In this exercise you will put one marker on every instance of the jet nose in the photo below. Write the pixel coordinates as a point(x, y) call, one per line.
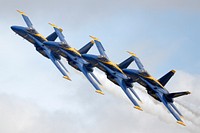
point(15, 28)
point(19, 29)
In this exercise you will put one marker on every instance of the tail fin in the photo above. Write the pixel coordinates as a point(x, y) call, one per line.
point(163, 80)
point(178, 94)
point(86, 48)
point(26, 19)
point(59, 33)
point(99, 46)
point(137, 61)
point(126, 63)
point(52, 37)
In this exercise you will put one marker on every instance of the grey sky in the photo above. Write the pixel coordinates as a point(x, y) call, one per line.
point(35, 98)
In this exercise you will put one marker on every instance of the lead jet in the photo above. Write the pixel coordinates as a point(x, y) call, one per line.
point(30, 34)
point(74, 57)
point(113, 71)
point(155, 88)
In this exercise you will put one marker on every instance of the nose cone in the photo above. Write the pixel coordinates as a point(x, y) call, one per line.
point(15, 28)
point(89, 57)
point(18, 29)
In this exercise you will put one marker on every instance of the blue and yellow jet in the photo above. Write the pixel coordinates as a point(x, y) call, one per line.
point(155, 87)
point(31, 35)
point(74, 57)
point(113, 71)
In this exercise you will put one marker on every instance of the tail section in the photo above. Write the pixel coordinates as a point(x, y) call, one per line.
point(126, 63)
point(178, 94)
point(52, 37)
point(86, 48)
point(59, 33)
point(137, 61)
point(163, 80)
point(99, 47)
point(26, 19)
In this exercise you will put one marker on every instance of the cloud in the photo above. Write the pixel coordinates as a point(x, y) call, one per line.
point(85, 111)
point(189, 109)
point(34, 97)
point(20, 116)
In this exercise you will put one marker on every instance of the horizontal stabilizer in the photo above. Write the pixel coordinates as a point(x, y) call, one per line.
point(52, 37)
point(126, 63)
point(86, 48)
point(163, 80)
point(178, 94)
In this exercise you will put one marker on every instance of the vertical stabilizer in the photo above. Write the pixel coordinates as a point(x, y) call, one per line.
point(163, 80)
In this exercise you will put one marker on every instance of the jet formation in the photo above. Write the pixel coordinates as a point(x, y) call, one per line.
point(119, 74)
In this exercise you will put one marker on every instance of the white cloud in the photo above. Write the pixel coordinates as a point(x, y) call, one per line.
point(34, 97)
point(188, 105)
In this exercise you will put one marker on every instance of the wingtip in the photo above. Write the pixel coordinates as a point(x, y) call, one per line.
point(66, 77)
point(173, 71)
point(94, 38)
point(131, 53)
point(182, 117)
point(181, 123)
point(138, 107)
point(21, 12)
point(100, 92)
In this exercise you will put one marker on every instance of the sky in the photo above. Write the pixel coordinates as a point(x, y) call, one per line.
point(35, 98)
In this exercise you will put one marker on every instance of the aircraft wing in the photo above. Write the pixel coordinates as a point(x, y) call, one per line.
point(167, 105)
point(26, 19)
point(99, 47)
point(95, 78)
point(137, 61)
point(53, 59)
point(50, 55)
point(86, 73)
point(126, 91)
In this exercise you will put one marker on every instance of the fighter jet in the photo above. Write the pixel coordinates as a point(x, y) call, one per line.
point(31, 35)
point(113, 71)
point(156, 88)
point(74, 57)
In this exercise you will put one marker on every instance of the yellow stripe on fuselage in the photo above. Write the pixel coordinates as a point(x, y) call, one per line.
point(41, 36)
point(73, 50)
point(114, 65)
point(155, 80)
